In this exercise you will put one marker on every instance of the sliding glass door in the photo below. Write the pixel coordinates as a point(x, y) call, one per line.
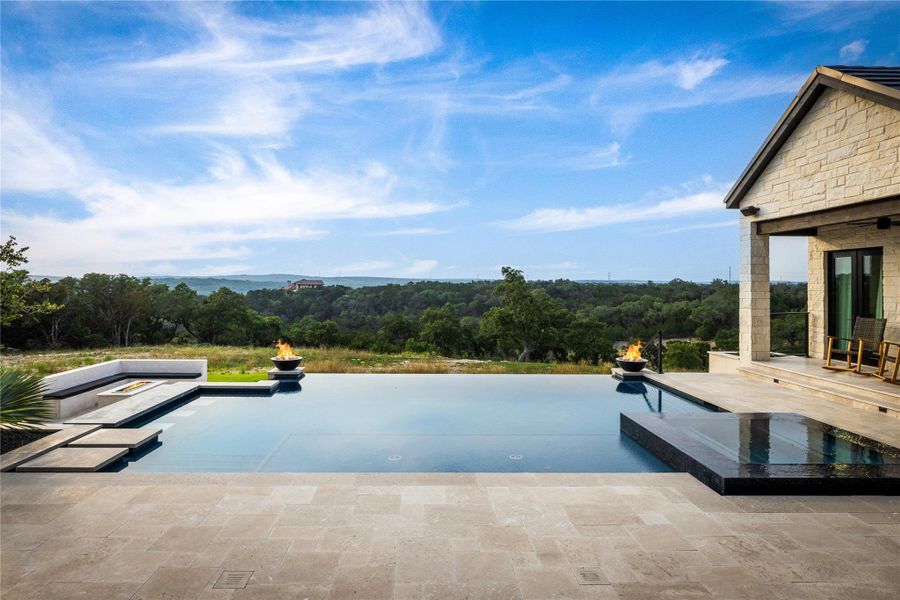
point(854, 288)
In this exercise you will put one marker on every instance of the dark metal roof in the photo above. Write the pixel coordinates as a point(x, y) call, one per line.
point(888, 76)
point(878, 84)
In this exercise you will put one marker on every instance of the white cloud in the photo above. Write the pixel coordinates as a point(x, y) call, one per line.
point(421, 267)
point(716, 225)
point(853, 51)
point(387, 32)
point(604, 157)
point(696, 70)
point(248, 65)
point(629, 92)
point(261, 107)
point(138, 225)
point(688, 202)
point(363, 266)
point(36, 155)
point(411, 231)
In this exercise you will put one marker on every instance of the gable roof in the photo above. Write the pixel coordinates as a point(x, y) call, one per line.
point(878, 84)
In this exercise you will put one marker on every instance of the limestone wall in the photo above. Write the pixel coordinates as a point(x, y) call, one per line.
point(845, 150)
point(850, 237)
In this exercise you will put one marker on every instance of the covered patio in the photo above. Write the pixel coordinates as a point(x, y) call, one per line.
point(828, 171)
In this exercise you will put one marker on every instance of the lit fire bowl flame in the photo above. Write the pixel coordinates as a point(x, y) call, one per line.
point(285, 359)
point(631, 359)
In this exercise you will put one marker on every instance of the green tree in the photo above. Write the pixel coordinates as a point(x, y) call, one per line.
point(396, 329)
point(716, 311)
point(685, 356)
point(441, 329)
point(19, 294)
point(309, 331)
point(727, 340)
point(586, 340)
point(224, 318)
point(527, 317)
point(117, 302)
point(182, 306)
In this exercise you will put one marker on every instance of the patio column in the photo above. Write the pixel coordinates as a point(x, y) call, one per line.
point(755, 304)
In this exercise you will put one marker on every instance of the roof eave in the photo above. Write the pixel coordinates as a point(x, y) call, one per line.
point(820, 78)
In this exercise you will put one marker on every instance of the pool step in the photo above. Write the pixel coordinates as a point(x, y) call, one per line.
point(117, 438)
point(71, 460)
point(14, 458)
point(846, 393)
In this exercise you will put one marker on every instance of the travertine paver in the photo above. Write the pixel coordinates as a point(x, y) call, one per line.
point(412, 536)
point(14, 458)
point(73, 459)
point(116, 438)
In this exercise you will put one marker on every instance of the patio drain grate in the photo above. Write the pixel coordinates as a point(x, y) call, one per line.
point(233, 580)
point(590, 576)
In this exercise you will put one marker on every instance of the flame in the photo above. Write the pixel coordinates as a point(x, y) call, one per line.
point(633, 352)
point(284, 350)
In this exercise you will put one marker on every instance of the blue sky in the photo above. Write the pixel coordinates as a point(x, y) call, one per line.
point(443, 140)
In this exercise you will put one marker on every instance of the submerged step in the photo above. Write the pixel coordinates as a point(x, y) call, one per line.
point(117, 438)
point(68, 459)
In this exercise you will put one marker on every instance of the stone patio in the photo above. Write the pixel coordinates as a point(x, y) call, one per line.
point(453, 536)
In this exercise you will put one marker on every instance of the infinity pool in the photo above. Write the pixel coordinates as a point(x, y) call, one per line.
point(414, 423)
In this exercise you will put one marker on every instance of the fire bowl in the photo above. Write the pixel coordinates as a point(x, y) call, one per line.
point(632, 366)
point(287, 364)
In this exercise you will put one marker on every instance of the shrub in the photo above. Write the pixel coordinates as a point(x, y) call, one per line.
point(727, 340)
point(22, 404)
point(685, 356)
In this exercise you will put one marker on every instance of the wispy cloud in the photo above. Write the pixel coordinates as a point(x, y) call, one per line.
point(133, 224)
point(694, 71)
point(363, 266)
point(630, 92)
point(384, 33)
point(411, 231)
point(604, 157)
point(259, 107)
point(853, 51)
point(686, 202)
point(421, 267)
point(700, 226)
point(36, 155)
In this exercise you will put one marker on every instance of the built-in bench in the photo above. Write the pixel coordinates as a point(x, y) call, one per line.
point(74, 392)
point(98, 383)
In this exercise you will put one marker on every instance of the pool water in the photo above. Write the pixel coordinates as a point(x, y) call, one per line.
point(415, 423)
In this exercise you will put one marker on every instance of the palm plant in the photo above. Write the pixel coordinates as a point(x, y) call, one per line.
point(22, 404)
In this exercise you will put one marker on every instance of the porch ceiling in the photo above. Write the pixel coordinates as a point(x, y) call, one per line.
point(806, 224)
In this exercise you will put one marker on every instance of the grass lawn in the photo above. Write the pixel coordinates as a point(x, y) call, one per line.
point(232, 363)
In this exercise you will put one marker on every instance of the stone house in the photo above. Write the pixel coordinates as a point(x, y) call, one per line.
point(829, 171)
point(302, 284)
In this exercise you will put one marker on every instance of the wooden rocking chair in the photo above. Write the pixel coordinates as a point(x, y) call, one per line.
point(864, 342)
point(884, 371)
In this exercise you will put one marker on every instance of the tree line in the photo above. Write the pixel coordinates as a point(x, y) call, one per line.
point(511, 318)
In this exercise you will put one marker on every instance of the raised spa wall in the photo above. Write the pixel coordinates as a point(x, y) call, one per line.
point(75, 404)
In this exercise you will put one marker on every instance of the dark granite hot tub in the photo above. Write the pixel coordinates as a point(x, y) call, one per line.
point(767, 453)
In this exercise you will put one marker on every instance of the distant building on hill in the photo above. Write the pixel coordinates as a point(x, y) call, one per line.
point(301, 284)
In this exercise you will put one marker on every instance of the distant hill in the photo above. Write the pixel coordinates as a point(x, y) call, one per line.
point(246, 283)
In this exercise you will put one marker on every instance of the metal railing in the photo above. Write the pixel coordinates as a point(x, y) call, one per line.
point(789, 333)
